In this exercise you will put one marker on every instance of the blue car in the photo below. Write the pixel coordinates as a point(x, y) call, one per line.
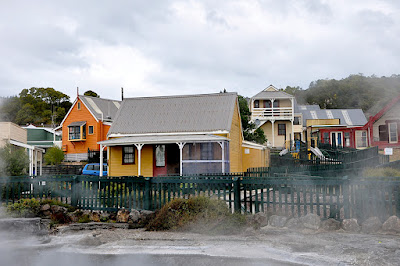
point(94, 169)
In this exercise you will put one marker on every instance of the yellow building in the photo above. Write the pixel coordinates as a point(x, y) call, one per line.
point(187, 134)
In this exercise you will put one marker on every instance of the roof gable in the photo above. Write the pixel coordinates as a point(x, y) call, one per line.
point(271, 92)
point(172, 114)
point(385, 109)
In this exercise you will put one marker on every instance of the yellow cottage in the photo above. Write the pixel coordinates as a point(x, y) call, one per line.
point(175, 135)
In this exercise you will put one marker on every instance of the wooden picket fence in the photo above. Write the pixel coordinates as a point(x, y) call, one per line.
point(292, 195)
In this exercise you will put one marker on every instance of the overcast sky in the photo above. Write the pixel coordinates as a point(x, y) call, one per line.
point(186, 47)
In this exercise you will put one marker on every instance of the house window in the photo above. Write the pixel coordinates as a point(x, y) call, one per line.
point(75, 132)
point(347, 139)
point(256, 103)
point(160, 155)
point(296, 120)
point(128, 155)
point(79, 106)
point(361, 139)
point(392, 132)
point(326, 137)
point(383, 133)
point(91, 130)
point(282, 129)
point(267, 104)
point(276, 103)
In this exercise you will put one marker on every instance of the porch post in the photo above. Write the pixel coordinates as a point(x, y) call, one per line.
point(36, 169)
point(30, 152)
point(292, 138)
point(101, 159)
point(223, 156)
point(180, 145)
point(41, 162)
point(139, 148)
point(272, 107)
point(273, 132)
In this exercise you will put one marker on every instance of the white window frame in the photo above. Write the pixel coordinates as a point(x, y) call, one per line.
point(359, 138)
point(336, 138)
point(390, 126)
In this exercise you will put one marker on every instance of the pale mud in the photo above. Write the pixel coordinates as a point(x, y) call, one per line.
point(262, 247)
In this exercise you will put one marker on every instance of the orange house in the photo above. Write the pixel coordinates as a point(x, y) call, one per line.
point(86, 123)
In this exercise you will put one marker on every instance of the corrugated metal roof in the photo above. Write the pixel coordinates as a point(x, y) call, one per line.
point(303, 107)
point(77, 123)
point(162, 139)
point(99, 106)
point(184, 113)
point(347, 117)
point(272, 94)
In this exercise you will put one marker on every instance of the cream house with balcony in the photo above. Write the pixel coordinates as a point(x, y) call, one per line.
point(274, 111)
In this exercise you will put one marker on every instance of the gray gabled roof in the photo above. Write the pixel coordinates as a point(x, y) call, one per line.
point(305, 107)
point(101, 108)
point(169, 114)
point(272, 94)
point(347, 117)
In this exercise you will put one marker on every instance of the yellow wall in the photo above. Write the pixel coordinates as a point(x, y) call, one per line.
point(235, 144)
point(312, 122)
point(116, 168)
point(255, 158)
point(279, 139)
point(11, 131)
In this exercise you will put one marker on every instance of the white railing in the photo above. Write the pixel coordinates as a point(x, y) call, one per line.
point(273, 112)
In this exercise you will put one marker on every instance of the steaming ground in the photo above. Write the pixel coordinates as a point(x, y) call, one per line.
point(138, 247)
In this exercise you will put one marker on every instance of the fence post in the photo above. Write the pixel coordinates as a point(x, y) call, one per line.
point(74, 191)
point(346, 197)
point(236, 194)
point(147, 193)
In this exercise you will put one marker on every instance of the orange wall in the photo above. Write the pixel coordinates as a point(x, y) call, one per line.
point(254, 158)
point(235, 144)
point(100, 130)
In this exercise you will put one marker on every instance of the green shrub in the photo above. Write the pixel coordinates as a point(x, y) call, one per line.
point(84, 219)
point(13, 160)
point(198, 214)
point(54, 156)
point(24, 208)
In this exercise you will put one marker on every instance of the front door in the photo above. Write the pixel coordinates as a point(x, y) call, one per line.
point(160, 160)
point(337, 139)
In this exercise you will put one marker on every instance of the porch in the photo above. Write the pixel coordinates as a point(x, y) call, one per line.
point(161, 155)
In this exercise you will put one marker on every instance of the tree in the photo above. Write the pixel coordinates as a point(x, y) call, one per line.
point(292, 90)
point(91, 93)
point(13, 160)
point(249, 131)
point(54, 156)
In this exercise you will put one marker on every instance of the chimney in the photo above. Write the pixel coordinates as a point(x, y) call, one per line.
point(77, 91)
point(122, 94)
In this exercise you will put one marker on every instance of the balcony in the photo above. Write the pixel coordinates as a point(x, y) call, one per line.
point(272, 113)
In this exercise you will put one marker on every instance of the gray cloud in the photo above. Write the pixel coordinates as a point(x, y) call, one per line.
point(173, 47)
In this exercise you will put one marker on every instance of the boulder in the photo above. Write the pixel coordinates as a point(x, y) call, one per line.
point(294, 223)
point(58, 209)
point(277, 221)
point(134, 216)
point(330, 225)
point(94, 216)
point(123, 216)
point(371, 225)
point(260, 219)
point(45, 210)
point(350, 225)
point(74, 216)
point(311, 221)
point(392, 224)
point(104, 216)
point(146, 215)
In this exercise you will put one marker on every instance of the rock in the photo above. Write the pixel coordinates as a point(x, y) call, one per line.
point(260, 219)
point(146, 215)
point(249, 231)
point(330, 225)
point(392, 224)
point(371, 225)
point(311, 221)
point(45, 207)
point(123, 216)
point(277, 221)
point(294, 223)
point(134, 216)
point(104, 216)
point(58, 209)
point(350, 225)
point(113, 216)
point(74, 216)
point(94, 216)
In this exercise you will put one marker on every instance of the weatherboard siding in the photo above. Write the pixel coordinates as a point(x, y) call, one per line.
point(235, 144)
point(116, 168)
point(91, 140)
point(254, 157)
